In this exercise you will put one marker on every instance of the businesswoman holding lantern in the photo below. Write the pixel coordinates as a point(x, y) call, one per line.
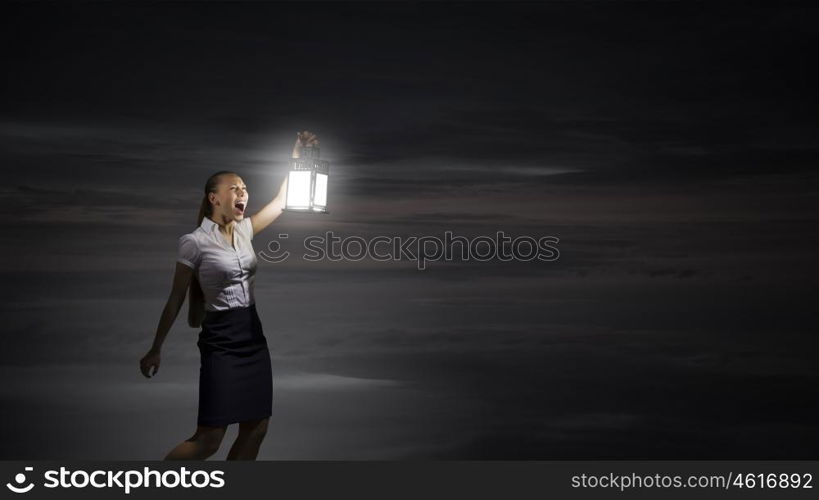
point(216, 266)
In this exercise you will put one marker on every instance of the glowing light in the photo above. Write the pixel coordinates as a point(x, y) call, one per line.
point(298, 189)
point(307, 182)
point(320, 195)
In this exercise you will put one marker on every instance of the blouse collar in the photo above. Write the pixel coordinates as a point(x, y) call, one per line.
point(207, 224)
point(211, 227)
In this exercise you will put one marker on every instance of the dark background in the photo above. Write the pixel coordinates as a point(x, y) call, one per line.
point(670, 146)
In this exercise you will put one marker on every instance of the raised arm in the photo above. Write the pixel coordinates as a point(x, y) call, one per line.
point(273, 210)
point(181, 281)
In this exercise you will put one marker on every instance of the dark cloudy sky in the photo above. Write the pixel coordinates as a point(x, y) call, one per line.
point(671, 147)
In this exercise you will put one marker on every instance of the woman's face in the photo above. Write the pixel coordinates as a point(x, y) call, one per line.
point(230, 199)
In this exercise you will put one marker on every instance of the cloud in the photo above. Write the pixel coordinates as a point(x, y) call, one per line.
point(326, 381)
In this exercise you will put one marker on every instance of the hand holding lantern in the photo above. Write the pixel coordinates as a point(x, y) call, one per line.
point(304, 139)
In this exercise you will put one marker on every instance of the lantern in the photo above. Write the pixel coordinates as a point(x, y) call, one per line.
point(307, 182)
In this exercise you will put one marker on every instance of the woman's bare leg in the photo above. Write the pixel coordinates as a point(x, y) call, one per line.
point(251, 434)
point(204, 443)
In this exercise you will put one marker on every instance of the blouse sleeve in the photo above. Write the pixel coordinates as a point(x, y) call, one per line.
point(188, 251)
point(247, 227)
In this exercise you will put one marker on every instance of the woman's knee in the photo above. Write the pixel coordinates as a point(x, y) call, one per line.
point(254, 428)
point(209, 438)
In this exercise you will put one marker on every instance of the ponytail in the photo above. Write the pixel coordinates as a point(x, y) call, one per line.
point(196, 298)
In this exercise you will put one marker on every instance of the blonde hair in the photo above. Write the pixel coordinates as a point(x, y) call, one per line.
point(196, 302)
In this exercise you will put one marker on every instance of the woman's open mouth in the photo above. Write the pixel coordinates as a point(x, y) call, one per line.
point(239, 207)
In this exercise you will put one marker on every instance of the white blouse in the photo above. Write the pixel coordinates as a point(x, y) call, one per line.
point(226, 274)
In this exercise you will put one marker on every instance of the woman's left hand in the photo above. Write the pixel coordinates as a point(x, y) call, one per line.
point(307, 138)
point(304, 139)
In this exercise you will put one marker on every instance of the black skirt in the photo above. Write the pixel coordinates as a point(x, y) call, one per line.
point(235, 376)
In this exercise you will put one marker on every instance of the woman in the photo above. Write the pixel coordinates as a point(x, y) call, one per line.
point(218, 262)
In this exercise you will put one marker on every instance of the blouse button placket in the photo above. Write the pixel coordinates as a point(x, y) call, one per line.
point(241, 269)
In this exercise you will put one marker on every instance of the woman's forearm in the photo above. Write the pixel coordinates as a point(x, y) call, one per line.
point(169, 313)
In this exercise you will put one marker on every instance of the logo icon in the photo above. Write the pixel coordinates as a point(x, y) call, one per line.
point(21, 478)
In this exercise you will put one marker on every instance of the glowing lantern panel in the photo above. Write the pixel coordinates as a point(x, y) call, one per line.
point(307, 182)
